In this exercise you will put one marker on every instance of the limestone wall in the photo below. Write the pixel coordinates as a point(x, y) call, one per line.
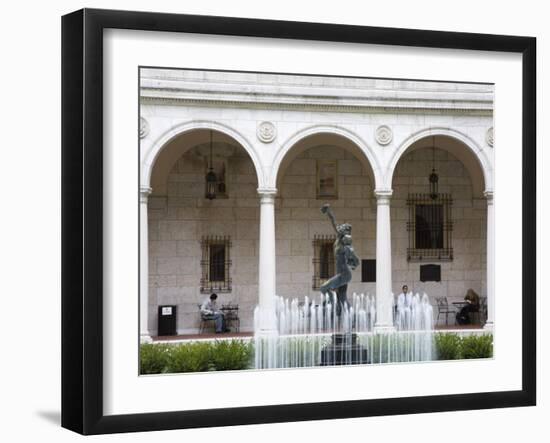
point(179, 219)
point(298, 218)
point(468, 268)
point(177, 222)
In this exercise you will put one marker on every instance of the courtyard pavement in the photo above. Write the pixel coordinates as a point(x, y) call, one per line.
point(209, 335)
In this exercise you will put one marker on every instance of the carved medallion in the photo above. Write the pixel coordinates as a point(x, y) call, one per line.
point(143, 127)
point(266, 132)
point(489, 137)
point(383, 135)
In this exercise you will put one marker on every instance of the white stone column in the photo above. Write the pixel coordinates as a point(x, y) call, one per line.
point(490, 284)
point(145, 337)
point(384, 299)
point(266, 268)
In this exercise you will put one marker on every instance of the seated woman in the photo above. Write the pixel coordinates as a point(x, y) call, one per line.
point(472, 300)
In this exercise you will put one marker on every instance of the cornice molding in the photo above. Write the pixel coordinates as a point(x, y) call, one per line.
point(388, 108)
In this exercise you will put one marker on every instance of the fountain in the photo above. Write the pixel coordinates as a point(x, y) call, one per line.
point(316, 316)
point(334, 331)
point(310, 335)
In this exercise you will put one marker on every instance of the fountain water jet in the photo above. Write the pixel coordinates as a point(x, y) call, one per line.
point(333, 331)
point(307, 328)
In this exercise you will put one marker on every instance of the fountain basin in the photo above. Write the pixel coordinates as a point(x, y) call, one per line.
point(344, 350)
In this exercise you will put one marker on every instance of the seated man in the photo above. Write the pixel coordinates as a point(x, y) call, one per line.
point(210, 309)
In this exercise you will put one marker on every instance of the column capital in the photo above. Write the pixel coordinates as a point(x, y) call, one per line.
point(383, 196)
point(267, 195)
point(144, 192)
point(267, 190)
point(489, 196)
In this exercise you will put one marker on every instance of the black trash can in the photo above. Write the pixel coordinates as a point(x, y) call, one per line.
point(167, 320)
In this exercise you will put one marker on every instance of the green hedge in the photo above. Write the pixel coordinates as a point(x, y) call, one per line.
point(231, 355)
point(480, 346)
point(153, 359)
point(447, 346)
point(222, 355)
point(192, 357)
point(450, 346)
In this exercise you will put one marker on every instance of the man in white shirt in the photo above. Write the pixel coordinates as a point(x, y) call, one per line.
point(403, 304)
point(210, 310)
point(403, 299)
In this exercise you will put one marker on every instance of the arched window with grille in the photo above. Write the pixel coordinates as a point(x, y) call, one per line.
point(430, 227)
point(216, 264)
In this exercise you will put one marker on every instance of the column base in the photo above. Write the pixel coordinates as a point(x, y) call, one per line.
point(145, 338)
point(266, 333)
point(384, 329)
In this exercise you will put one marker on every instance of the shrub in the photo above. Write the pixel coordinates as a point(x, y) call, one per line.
point(453, 347)
point(480, 346)
point(448, 346)
point(189, 357)
point(221, 355)
point(153, 358)
point(231, 355)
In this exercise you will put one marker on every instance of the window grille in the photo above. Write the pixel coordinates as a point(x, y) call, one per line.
point(323, 259)
point(430, 227)
point(215, 264)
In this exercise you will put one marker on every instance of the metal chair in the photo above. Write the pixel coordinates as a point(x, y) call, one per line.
point(443, 308)
point(479, 316)
point(231, 316)
point(481, 313)
point(475, 317)
point(205, 318)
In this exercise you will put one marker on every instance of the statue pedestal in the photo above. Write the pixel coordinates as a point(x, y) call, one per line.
point(344, 350)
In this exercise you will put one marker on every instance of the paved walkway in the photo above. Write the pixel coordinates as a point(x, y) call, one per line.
point(206, 335)
point(453, 326)
point(228, 335)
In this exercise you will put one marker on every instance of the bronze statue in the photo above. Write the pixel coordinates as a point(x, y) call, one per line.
point(345, 258)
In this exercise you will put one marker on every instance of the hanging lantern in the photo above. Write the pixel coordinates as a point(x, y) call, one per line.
point(221, 179)
point(434, 178)
point(210, 185)
point(211, 177)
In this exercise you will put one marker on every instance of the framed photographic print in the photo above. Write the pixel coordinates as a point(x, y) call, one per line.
point(239, 214)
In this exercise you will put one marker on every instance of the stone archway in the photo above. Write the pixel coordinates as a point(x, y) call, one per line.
point(470, 185)
point(348, 139)
point(183, 143)
point(472, 156)
point(152, 156)
point(326, 137)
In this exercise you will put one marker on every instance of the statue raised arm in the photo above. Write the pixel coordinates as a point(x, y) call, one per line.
point(326, 209)
point(341, 229)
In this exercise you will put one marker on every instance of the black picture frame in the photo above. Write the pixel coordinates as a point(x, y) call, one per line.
point(82, 234)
